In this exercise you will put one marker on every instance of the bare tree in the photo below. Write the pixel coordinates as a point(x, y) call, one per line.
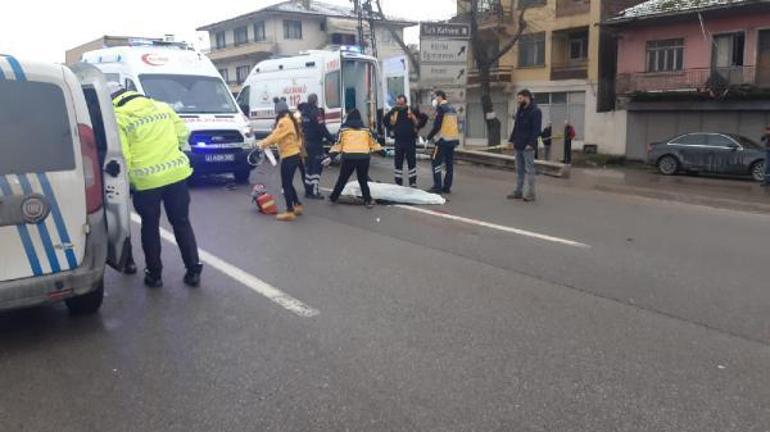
point(484, 63)
point(395, 33)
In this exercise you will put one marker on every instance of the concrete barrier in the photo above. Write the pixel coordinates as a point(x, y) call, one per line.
point(553, 169)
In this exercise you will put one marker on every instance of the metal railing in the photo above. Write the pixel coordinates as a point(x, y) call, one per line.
point(572, 69)
point(572, 7)
point(498, 75)
point(684, 80)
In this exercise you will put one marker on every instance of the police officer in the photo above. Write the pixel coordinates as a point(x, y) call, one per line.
point(446, 132)
point(404, 123)
point(151, 135)
point(314, 132)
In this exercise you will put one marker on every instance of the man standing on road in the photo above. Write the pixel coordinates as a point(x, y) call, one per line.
point(766, 140)
point(404, 123)
point(152, 135)
point(446, 131)
point(524, 137)
point(314, 133)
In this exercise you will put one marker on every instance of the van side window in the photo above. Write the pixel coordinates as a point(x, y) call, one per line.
point(332, 90)
point(243, 101)
point(130, 86)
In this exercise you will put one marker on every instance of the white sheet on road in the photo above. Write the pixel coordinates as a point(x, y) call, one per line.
point(394, 194)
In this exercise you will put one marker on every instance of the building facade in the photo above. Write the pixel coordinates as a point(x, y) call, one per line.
point(286, 29)
point(560, 57)
point(692, 66)
point(72, 56)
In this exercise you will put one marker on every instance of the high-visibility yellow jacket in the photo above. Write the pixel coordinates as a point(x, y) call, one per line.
point(355, 143)
point(151, 135)
point(286, 137)
point(446, 126)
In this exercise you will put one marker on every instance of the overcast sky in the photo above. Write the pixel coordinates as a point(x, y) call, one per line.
point(44, 30)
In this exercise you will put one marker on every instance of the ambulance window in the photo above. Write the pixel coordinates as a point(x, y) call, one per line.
point(37, 136)
point(130, 86)
point(332, 90)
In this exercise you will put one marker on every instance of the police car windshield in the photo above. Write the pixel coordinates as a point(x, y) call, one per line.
point(189, 94)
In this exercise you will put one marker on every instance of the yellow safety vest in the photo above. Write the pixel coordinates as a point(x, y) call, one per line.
point(151, 135)
point(450, 126)
point(356, 142)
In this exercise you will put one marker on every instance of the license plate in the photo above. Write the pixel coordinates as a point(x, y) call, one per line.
point(227, 157)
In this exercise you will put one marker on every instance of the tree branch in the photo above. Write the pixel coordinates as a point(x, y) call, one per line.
point(522, 24)
point(413, 59)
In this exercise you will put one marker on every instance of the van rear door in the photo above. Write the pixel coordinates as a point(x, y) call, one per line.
point(42, 189)
point(116, 186)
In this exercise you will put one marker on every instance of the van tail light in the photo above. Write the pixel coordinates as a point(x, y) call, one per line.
point(91, 169)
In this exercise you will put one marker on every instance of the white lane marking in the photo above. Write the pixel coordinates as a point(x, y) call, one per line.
point(490, 225)
point(252, 282)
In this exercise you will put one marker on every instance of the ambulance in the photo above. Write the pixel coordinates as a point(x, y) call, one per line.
point(172, 72)
point(64, 192)
point(343, 79)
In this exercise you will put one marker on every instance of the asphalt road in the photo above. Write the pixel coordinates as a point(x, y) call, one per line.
point(419, 323)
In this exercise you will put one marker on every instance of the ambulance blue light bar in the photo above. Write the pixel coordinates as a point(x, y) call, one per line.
point(351, 48)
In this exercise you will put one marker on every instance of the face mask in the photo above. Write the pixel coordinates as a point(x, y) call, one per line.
point(435, 103)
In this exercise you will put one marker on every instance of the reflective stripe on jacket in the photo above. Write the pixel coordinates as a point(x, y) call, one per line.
point(446, 125)
point(285, 136)
point(356, 142)
point(152, 136)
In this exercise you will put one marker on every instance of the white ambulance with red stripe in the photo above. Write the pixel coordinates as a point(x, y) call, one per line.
point(61, 220)
point(343, 79)
point(172, 72)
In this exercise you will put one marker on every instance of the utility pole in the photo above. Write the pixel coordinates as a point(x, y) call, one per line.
point(360, 15)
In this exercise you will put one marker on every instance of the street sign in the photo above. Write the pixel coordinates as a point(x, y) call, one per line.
point(444, 51)
point(445, 31)
point(445, 75)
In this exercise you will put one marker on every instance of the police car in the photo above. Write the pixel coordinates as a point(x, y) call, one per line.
point(63, 187)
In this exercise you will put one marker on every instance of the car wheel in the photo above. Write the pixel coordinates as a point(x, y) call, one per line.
point(668, 165)
point(87, 304)
point(758, 171)
point(242, 176)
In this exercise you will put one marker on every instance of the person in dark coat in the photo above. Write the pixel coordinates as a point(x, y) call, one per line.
point(547, 137)
point(569, 135)
point(403, 123)
point(526, 131)
point(315, 132)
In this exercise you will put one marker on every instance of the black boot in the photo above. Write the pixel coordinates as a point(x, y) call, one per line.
point(152, 280)
point(193, 276)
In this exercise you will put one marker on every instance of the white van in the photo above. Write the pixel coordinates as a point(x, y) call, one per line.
point(343, 79)
point(60, 218)
point(220, 136)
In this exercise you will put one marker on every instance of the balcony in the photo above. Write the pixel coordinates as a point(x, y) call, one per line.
point(687, 80)
point(498, 76)
point(572, 7)
point(232, 51)
point(575, 69)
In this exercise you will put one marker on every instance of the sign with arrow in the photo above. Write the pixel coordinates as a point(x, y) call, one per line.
point(444, 51)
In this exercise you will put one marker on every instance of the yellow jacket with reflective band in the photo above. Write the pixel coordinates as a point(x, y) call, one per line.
point(355, 142)
point(151, 135)
point(285, 136)
point(450, 127)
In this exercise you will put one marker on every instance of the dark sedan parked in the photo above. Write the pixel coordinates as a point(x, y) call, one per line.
point(705, 152)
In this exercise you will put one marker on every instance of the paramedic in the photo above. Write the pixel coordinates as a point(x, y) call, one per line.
point(446, 131)
point(151, 135)
point(314, 132)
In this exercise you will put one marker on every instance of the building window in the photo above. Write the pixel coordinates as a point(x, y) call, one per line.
point(728, 50)
point(665, 55)
point(532, 50)
point(259, 31)
point(242, 72)
point(220, 40)
point(578, 46)
point(531, 3)
point(241, 35)
point(292, 29)
point(343, 39)
point(225, 75)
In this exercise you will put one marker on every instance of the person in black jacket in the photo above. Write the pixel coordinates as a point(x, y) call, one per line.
point(547, 137)
point(526, 130)
point(315, 132)
point(403, 123)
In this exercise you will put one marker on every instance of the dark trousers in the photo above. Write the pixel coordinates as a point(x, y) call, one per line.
point(176, 201)
point(767, 166)
point(361, 168)
point(406, 149)
point(444, 153)
point(289, 167)
point(314, 167)
point(568, 151)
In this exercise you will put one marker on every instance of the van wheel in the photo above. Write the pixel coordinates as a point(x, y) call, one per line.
point(242, 176)
point(87, 304)
point(668, 165)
